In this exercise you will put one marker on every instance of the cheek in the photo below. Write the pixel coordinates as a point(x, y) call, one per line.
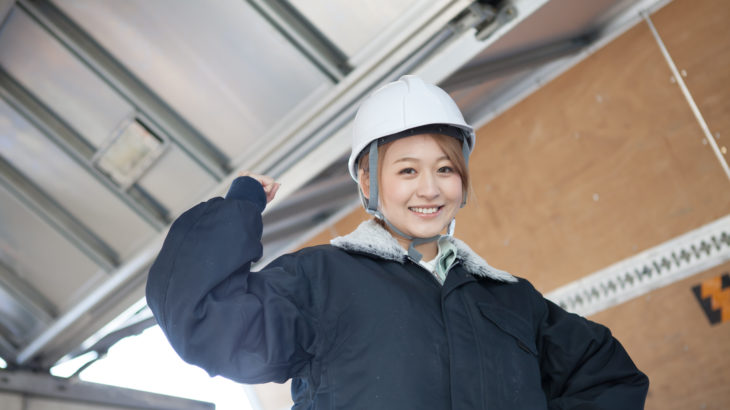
point(453, 188)
point(393, 192)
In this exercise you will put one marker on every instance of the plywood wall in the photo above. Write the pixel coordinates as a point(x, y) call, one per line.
point(669, 336)
point(608, 160)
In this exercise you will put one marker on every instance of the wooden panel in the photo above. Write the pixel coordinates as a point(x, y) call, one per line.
point(603, 162)
point(672, 341)
point(697, 37)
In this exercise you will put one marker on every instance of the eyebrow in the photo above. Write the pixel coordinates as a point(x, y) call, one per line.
point(407, 159)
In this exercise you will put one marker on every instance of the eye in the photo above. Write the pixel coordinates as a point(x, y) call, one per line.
point(446, 170)
point(407, 171)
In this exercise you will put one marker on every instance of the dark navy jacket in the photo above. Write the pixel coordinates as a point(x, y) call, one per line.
point(359, 326)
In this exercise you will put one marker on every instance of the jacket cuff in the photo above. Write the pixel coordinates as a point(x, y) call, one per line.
point(248, 189)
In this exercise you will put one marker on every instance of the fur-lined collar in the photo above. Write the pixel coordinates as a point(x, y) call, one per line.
point(371, 238)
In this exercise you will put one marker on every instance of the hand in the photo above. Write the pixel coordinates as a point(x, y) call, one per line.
point(270, 186)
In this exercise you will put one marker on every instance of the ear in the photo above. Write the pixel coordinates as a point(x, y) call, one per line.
point(364, 179)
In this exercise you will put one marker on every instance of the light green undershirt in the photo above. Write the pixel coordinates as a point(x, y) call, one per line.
point(444, 260)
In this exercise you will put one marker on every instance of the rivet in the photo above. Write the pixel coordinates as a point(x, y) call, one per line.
point(684, 73)
point(672, 80)
point(723, 150)
point(595, 197)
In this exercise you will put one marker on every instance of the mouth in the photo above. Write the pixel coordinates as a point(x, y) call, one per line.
point(426, 210)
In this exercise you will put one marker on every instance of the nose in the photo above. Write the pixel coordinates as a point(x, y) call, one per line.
point(428, 186)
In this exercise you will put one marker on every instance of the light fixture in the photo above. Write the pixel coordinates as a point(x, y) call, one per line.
point(129, 153)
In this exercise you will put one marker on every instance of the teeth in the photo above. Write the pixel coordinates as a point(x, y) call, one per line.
point(425, 210)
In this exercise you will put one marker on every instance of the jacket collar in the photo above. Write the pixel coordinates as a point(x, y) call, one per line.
point(371, 238)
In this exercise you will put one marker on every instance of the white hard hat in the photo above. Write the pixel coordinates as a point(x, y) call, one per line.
point(404, 105)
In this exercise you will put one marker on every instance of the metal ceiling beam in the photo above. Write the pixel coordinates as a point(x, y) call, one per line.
point(56, 130)
point(320, 194)
point(150, 108)
point(124, 274)
point(23, 314)
point(480, 72)
point(335, 109)
point(405, 57)
point(31, 384)
point(323, 53)
point(40, 203)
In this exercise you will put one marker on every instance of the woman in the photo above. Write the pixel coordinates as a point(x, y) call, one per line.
point(394, 315)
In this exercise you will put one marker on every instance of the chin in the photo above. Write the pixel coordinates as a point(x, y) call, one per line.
point(426, 232)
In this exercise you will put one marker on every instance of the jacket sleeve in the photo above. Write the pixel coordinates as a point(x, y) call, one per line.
point(248, 326)
point(584, 367)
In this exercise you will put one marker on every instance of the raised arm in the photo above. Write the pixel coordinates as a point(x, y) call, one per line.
point(248, 326)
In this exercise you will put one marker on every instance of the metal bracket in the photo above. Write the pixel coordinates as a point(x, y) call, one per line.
point(484, 18)
point(506, 14)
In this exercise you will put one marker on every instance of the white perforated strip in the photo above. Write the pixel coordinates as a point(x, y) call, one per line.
point(683, 256)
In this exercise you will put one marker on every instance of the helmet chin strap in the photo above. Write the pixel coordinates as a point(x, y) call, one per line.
point(371, 206)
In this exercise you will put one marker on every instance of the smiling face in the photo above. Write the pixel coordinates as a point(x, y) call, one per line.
point(420, 187)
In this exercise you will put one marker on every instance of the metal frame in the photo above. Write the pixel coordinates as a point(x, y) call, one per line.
point(20, 295)
point(324, 54)
point(151, 108)
point(483, 71)
point(57, 217)
point(29, 384)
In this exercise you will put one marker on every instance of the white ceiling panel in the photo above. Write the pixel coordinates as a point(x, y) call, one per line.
point(175, 181)
point(352, 25)
point(70, 89)
point(71, 186)
point(218, 64)
point(42, 257)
